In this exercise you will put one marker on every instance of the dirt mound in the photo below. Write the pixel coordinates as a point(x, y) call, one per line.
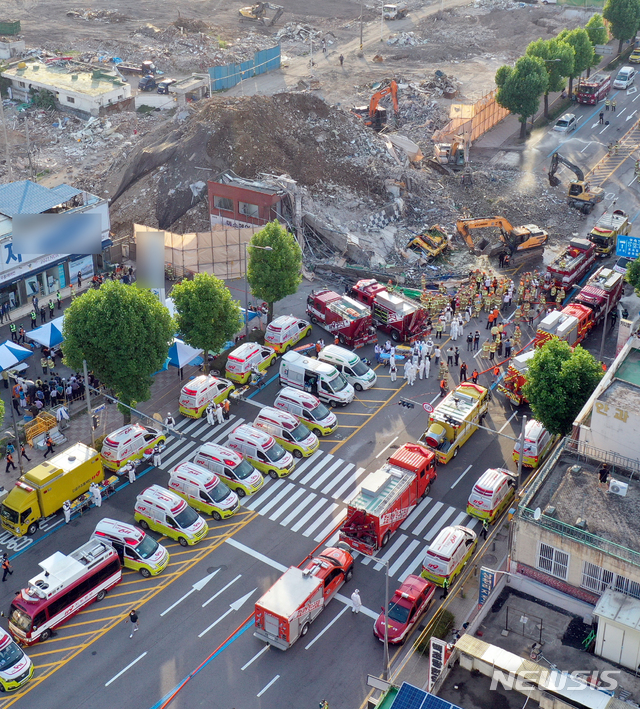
point(190, 25)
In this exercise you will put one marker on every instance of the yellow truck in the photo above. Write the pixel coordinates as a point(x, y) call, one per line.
point(42, 491)
point(452, 421)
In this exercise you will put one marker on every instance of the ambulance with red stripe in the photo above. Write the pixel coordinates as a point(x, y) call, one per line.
point(129, 443)
point(201, 391)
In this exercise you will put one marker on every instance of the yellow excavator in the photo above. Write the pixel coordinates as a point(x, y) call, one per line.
point(580, 195)
point(258, 13)
point(517, 242)
point(431, 242)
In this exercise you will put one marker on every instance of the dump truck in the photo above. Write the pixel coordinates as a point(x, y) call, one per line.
point(146, 68)
point(395, 12)
point(451, 422)
point(258, 13)
point(430, 243)
point(395, 314)
point(604, 234)
point(387, 497)
point(571, 265)
point(517, 242)
point(42, 491)
point(580, 194)
point(342, 316)
point(297, 598)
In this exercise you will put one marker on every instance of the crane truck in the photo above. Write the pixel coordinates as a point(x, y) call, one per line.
point(373, 115)
point(580, 195)
point(516, 241)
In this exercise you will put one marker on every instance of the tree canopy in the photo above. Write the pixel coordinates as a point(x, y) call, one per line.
point(124, 333)
point(558, 59)
point(584, 52)
point(277, 273)
point(559, 382)
point(598, 34)
point(207, 315)
point(633, 275)
point(521, 86)
point(624, 18)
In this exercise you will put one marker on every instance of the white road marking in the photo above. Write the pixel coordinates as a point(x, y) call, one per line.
point(442, 520)
point(403, 557)
point(222, 590)
point(301, 505)
point(326, 627)
point(256, 554)
point(507, 422)
point(312, 472)
point(255, 657)
point(327, 473)
point(339, 494)
point(303, 520)
point(305, 464)
point(629, 117)
point(129, 666)
point(363, 609)
point(262, 495)
point(182, 453)
point(327, 513)
point(632, 181)
point(427, 518)
point(235, 606)
point(192, 425)
point(385, 448)
point(463, 474)
point(344, 474)
point(604, 129)
point(458, 519)
point(284, 492)
point(287, 503)
point(335, 522)
point(264, 689)
point(621, 112)
point(411, 568)
point(415, 514)
point(391, 551)
point(197, 586)
point(591, 141)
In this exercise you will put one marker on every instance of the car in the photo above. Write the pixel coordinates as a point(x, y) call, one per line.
point(621, 265)
point(566, 123)
point(634, 58)
point(408, 604)
point(165, 85)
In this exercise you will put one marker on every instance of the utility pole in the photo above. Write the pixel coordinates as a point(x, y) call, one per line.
point(86, 388)
point(360, 25)
point(15, 427)
point(385, 658)
point(6, 140)
point(381, 23)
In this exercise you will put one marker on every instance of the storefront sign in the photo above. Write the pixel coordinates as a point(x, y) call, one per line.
point(84, 265)
point(487, 581)
point(61, 276)
point(438, 656)
point(10, 273)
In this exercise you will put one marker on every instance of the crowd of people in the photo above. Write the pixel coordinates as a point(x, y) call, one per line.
point(28, 396)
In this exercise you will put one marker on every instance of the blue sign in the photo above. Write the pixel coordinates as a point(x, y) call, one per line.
point(487, 582)
point(628, 246)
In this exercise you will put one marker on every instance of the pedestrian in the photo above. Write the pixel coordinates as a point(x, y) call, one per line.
point(606, 104)
point(169, 421)
point(445, 589)
point(427, 366)
point(476, 340)
point(436, 356)
point(356, 601)
point(485, 528)
point(463, 372)
point(226, 409)
point(10, 464)
point(601, 117)
point(324, 46)
point(470, 342)
point(79, 280)
point(450, 355)
point(6, 568)
point(393, 371)
point(16, 404)
point(210, 416)
point(443, 387)
point(96, 494)
point(474, 376)
point(49, 444)
point(59, 300)
point(157, 456)
point(133, 619)
point(21, 334)
point(341, 58)
point(66, 510)
point(23, 452)
point(603, 475)
point(131, 472)
point(52, 309)
point(613, 105)
point(507, 348)
point(219, 414)
point(496, 373)
point(456, 355)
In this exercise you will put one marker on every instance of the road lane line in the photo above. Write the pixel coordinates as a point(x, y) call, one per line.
point(215, 622)
point(507, 422)
point(589, 143)
point(303, 520)
point(632, 181)
point(256, 554)
point(327, 473)
point(305, 464)
point(255, 657)
point(415, 514)
point(286, 490)
point(316, 468)
point(363, 609)
point(129, 666)
point(328, 513)
point(427, 518)
point(264, 689)
point(222, 590)
point(468, 468)
point(345, 474)
point(261, 496)
point(403, 557)
point(385, 448)
point(416, 564)
point(442, 521)
point(311, 496)
point(285, 505)
point(458, 519)
point(327, 626)
point(339, 493)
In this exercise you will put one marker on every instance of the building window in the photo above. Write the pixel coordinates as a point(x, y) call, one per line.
point(598, 580)
point(223, 203)
point(21, 84)
point(70, 99)
point(249, 210)
point(553, 561)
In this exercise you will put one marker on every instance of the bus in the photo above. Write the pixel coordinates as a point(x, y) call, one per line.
point(65, 586)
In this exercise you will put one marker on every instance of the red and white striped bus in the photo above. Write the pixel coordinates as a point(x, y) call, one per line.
point(67, 584)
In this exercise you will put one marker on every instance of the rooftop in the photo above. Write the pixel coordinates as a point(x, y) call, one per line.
point(230, 178)
point(26, 197)
point(71, 77)
point(629, 368)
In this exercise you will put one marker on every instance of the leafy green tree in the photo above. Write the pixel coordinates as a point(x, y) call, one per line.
point(520, 88)
point(633, 275)
point(559, 382)
point(123, 332)
point(584, 52)
point(558, 59)
point(598, 34)
point(276, 273)
point(624, 19)
point(208, 316)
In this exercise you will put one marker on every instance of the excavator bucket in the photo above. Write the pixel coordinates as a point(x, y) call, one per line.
point(276, 17)
point(553, 181)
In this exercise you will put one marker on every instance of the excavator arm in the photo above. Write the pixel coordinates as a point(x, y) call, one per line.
point(556, 160)
point(464, 227)
point(375, 99)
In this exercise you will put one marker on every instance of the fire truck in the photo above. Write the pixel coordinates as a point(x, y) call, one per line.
point(297, 598)
point(401, 317)
point(341, 316)
point(515, 378)
point(572, 264)
point(387, 497)
point(594, 89)
point(451, 423)
point(604, 234)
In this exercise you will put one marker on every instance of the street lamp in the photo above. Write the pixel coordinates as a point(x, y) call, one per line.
point(385, 660)
point(246, 282)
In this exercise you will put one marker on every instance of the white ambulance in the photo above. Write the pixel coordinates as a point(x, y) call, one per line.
point(248, 355)
point(288, 431)
point(448, 553)
point(231, 467)
point(129, 443)
point(163, 511)
point(203, 490)
point(315, 377)
point(261, 450)
point(286, 331)
point(197, 394)
point(308, 410)
point(352, 368)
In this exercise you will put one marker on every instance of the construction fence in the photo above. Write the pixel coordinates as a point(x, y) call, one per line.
point(472, 120)
point(227, 76)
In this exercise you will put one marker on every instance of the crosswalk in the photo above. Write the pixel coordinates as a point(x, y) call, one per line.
point(312, 500)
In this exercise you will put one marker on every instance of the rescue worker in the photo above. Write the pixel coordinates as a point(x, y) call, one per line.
point(131, 472)
point(10, 464)
point(169, 421)
point(96, 495)
point(412, 373)
point(210, 415)
point(14, 332)
point(474, 376)
point(157, 456)
point(356, 601)
point(6, 568)
point(613, 105)
point(445, 589)
point(34, 319)
point(226, 408)
point(66, 509)
point(219, 414)
point(496, 373)
point(443, 387)
point(463, 372)
point(607, 104)
point(485, 528)
point(393, 370)
point(427, 366)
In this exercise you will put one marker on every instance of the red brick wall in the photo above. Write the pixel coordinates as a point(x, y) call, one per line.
point(265, 202)
point(558, 584)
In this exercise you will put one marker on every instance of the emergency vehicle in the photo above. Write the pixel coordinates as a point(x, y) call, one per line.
point(387, 497)
point(342, 316)
point(571, 265)
point(129, 443)
point(65, 586)
point(203, 490)
point(593, 89)
point(451, 423)
point(537, 444)
point(409, 603)
point(250, 354)
point(262, 451)
point(315, 377)
point(135, 549)
point(16, 668)
point(201, 391)
point(395, 314)
point(231, 467)
point(297, 598)
point(288, 431)
point(448, 553)
point(605, 233)
point(516, 377)
point(308, 410)
point(163, 511)
point(284, 332)
point(494, 490)
point(352, 368)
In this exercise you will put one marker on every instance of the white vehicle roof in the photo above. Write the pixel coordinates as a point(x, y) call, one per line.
point(126, 433)
point(277, 417)
point(247, 350)
point(221, 454)
point(492, 478)
point(289, 592)
point(448, 540)
point(127, 532)
point(303, 398)
point(202, 381)
point(340, 353)
point(249, 434)
point(295, 358)
point(194, 473)
point(282, 322)
point(161, 498)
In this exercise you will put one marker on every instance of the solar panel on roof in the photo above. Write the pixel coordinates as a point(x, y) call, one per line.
point(433, 702)
point(410, 697)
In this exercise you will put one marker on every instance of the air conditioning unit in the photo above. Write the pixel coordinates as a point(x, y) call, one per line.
point(618, 488)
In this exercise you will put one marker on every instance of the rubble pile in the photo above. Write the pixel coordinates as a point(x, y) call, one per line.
point(293, 32)
point(103, 15)
point(190, 25)
point(406, 39)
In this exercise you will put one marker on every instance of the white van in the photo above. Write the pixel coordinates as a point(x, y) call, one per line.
point(448, 553)
point(537, 443)
point(163, 511)
point(352, 368)
point(494, 490)
point(203, 490)
point(231, 467)
point(261, 450)
point(129, 443)
point(315, 377)
point(288, 431)
point(308, 410)
point(197, 394)
point(626, 77)
point(248, 355)
point(136, 550)
point(286, 331)
point(16, 668)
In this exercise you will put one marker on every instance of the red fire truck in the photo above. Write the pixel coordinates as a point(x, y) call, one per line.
point(594, 89)
point(401, 317)
point(572, 264)
point(341, 316)
point(297, 598)
point(387, 497)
